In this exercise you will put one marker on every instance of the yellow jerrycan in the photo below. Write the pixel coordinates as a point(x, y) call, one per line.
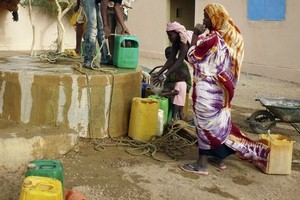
point(143, 118)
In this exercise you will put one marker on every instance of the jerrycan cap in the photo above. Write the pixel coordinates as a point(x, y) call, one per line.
point(27, 183)
point(31, 166)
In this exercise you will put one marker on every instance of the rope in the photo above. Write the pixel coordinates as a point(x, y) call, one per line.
point(171, 143)
point(78, 67)
point(54, 57)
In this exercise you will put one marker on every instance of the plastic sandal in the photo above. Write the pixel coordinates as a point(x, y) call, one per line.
point(72, 53)
point(219, 165)
point(191, 168)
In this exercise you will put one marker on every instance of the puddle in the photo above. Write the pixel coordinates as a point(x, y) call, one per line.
point(241, 180)
point(217, 191)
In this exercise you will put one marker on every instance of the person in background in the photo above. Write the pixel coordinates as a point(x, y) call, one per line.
point(216, 53)
point(97, 29)
point(178, 93)
point(78, 20)
point(114, 25)
point(126, 4)
point(118, 13)
point(94, 33)
point(79, 26)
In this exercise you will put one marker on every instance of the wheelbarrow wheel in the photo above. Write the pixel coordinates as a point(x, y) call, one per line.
point(261, 121)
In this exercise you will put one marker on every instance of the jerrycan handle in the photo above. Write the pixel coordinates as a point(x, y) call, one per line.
point(127, 41)
point(47, 166)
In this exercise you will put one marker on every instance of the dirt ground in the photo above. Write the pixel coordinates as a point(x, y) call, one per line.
point(114, 174)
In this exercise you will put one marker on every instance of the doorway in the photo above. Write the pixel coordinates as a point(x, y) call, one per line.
point(183, 12)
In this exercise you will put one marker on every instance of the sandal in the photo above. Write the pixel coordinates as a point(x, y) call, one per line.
point(72, 53)
point(216, 163)
point(190, 167)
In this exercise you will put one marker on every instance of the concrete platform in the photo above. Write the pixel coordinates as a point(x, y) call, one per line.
point(96, 104)
point(21, 143)
point(45, 108)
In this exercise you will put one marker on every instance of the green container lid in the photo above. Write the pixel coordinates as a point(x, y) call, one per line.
point(46, 168)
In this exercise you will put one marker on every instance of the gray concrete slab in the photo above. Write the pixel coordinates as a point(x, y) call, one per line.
point(21, 143)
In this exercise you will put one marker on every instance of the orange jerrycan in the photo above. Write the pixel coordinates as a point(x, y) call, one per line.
point(143, 118)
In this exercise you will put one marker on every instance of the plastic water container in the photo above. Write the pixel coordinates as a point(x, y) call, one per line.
point(126, 51)
point(143, 118)
point(75, 195)
point(160, 122)
point(144, 88)
point(41, 188)
point(164, 105)
point(281, 154)
point(46, 168)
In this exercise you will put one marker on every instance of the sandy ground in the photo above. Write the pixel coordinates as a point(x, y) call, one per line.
point(112, 173)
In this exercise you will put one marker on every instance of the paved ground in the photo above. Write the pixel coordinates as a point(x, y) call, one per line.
point(111, 173)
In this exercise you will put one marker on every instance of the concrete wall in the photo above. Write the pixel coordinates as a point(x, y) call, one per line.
point(271, 47)
point(19, 35)
point(186, 15)
point(147, 20)
point(268, 52)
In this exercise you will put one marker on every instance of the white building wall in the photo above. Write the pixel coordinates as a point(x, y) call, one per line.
point(147, 20)
point(19, 35)
point(271, 48)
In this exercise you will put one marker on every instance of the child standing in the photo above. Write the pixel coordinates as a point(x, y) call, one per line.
point(178, 94)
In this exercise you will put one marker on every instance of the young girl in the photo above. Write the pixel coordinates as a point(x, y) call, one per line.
point(179, 93)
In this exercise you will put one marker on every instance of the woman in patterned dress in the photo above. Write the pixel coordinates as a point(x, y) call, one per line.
point(216, 54)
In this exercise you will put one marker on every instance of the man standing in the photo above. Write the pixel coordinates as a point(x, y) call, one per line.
point(96, 27)
point(113, 23)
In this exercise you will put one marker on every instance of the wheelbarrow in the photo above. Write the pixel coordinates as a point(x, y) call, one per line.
point(277, 110)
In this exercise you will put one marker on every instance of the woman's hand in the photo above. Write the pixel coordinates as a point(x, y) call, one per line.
point(199, 29)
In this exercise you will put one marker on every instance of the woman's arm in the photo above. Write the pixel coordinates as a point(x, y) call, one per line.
point(183, 49)
point(198, 30)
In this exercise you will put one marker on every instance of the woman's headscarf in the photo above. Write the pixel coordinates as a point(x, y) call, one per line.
point(222, 23)
point(185, 35)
